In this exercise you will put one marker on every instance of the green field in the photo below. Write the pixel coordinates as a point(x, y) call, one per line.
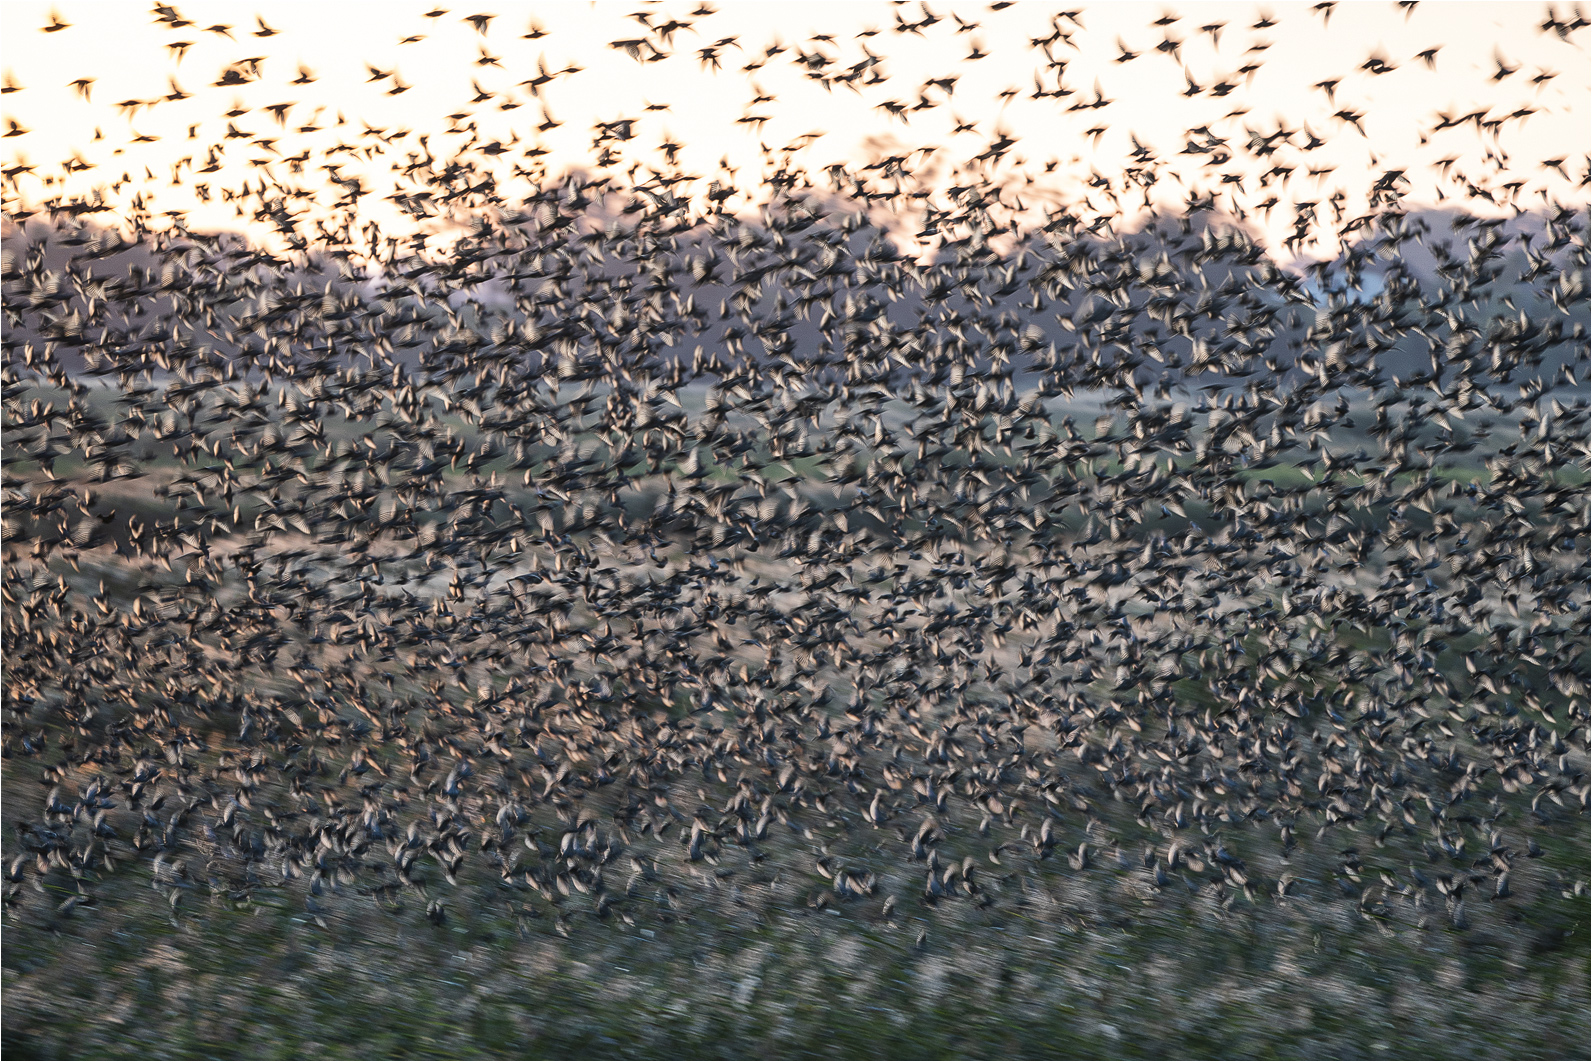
point(747, 954)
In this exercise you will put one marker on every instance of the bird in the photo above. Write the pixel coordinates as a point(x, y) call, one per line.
point(1378, 64)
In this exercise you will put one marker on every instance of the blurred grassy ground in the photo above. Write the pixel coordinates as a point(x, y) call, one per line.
point(1117, 974)
point(1186, 979)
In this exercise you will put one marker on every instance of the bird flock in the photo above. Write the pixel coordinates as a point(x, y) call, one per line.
point(644, 555)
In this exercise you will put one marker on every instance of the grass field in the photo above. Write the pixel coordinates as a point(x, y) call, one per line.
point(749, 955)
point(1193, 980)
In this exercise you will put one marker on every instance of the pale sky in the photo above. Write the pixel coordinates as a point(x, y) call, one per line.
point(126, 51)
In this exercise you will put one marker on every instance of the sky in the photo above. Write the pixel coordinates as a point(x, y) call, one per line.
point(1491, 57)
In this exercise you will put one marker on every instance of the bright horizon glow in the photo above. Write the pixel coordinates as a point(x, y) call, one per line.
point(125, 50)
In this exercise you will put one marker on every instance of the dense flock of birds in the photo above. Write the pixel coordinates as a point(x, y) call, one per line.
point(638, 557)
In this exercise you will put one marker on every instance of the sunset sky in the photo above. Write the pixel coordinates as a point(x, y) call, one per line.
point(129, 56)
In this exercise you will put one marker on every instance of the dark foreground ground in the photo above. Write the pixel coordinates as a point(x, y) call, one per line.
point(1346, 946)
point(1193, 980)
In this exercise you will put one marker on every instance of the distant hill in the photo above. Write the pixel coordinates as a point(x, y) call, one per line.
point(1186, 301)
